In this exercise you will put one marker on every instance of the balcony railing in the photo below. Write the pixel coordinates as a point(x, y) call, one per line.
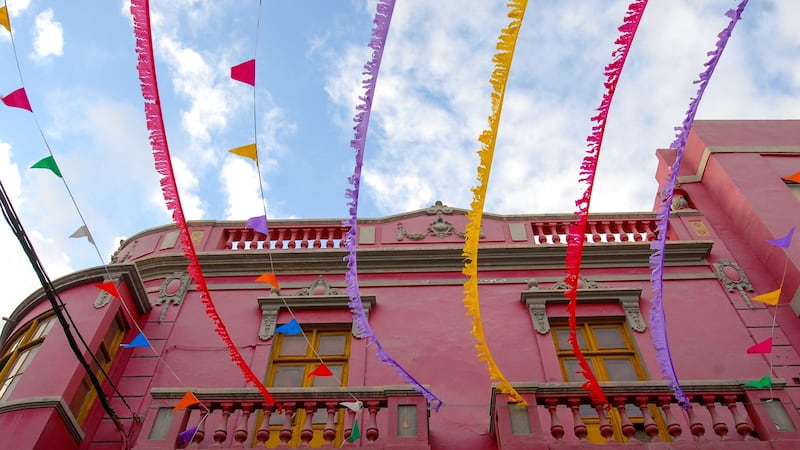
point(642, 413)
point(285, 237)
point(238, 418)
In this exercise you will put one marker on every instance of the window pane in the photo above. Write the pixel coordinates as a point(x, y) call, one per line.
point(573, 368)
point(293, 345)
point(620, 369)
point(329, 381)
point(161, 425)
point(608, 337)
point(44, 327)
point(563, 339)
point(288, 376)
point(331, 344)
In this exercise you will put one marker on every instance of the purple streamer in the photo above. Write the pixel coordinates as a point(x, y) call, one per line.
point(658, 321)
point(383, 18)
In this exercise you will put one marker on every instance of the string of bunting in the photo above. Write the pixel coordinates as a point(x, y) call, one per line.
point(382, 20)
point(577, 229)
point(503, 57)
point(140, 10)
point(658, 330)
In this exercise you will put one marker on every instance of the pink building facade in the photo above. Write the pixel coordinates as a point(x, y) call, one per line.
point(732, 198)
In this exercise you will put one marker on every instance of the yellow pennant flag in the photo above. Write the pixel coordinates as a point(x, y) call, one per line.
point(770, 298)
point(4, 18)
point(248, 151)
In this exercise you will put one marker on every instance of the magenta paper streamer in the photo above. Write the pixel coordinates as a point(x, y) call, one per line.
point(658, 323)
point(577, 230)
point(383, 17)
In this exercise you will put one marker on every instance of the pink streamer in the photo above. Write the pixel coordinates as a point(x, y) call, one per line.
point(383, 18)
point(577, 230)
point(658, 322)
point(140, 10)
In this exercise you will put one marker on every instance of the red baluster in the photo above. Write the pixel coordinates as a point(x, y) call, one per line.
point(650, 427)
point(593, 232)
point(371, 430)
point(718, 424)
point(579, 427)
point(627, 427)
point(240, 434)
point(743, 427)
point(262, 435)
point(318, 238)
point(607, 231)
point(605, 428)
point(695, 425)
point(673, 427)
point(285, 434)
point(306, 235)
point(200, 434)
point(329, 433)
point(349, 418)
point(554, 233)
point(307, 433)
point(556, 429)
point(221, 433)
point(280, 238)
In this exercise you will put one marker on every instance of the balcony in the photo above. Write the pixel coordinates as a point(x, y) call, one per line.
point(392, 417)
point(645, 415)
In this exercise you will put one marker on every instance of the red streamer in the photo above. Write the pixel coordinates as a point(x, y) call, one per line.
point(140, 10)
point(577, 230)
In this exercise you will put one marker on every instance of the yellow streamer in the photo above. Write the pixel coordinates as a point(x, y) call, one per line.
point(502, 61)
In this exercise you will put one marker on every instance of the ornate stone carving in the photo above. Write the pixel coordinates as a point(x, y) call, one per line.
point(117, 258)
point(537, 299)
point(173, 291)
point(583, 283)
point(104, 298)
point(439, 228)
point(319, 287)
point(734, 279)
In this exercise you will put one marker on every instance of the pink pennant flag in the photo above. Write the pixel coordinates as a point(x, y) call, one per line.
point(245, 72)
point(321, 371)
point(764, 346)
point(109, 287)
point(18, 99)
point(770, 298)
point(783, 242)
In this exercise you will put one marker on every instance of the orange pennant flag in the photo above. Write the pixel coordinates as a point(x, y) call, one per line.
point(109, 287)
point(4, 18)
point(188, 399)
point(321, 371)
point(269, 278)
point(795, 177)
point(770, 298)
point(248, 151)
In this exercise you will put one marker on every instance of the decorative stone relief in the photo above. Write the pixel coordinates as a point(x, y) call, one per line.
point(439, 228)
point(734, 279)
point(117, 258)
point(104, 298)
point(590, 292)
point(320, 286)
point(173, 291)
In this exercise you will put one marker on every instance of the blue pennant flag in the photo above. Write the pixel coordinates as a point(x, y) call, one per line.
point(138, 341)
point(290, 328)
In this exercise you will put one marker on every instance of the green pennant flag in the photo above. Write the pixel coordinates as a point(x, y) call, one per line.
point(763, 383)
point(356, 433)
point(48, 163)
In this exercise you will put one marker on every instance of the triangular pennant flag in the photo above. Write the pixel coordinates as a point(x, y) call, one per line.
point(763, 383)
point(764, 346)
point(109, 287)
point(783, 242)
point(290, 328)
point(258, 223)
point(4, 18)
point(83, 231)
point(269, 278)
point(353, 406)
point(188, 399)
point(18, 99)
point(47, 163)
point(795, 177)
point(248, 151)
point(356, 433)
point(770, 298)
point(184, 437)
point(139, 341)
point(321, 371)
point(245, 72)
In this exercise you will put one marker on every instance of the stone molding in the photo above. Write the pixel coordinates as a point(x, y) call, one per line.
point(271, 306)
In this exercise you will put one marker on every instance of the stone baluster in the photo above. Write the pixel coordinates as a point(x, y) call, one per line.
point(743, 427)
point(262, 435)
point(307, 433)
point(556, 429)
point(627, 427)
point(221, 433)
point(650, 427)
point(349, 418)
point(605, 428)
point(200, 434)
point(329, 432)
point(318, 238)
point(718, 424)
point(673, 427)
point(579, 428)
point(696, 427)
point(371, 430)
point(286, 432)
point(240, 434)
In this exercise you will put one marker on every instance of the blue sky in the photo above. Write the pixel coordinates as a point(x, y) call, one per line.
point(432, 101)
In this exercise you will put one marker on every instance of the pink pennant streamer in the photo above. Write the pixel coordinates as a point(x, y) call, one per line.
point(658, 320)
point(140, 10)
point(245, 72)
point(18, 99)
point(764, 346)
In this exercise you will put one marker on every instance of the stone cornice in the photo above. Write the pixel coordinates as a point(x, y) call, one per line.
point(244, 394)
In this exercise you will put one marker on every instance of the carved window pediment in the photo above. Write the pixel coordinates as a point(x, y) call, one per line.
point(536, 300)
point(271, 306)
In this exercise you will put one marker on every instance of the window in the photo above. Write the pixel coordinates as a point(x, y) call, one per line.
point(609, 350)
point(18, 356)
point(293, 359)
point(84, 398)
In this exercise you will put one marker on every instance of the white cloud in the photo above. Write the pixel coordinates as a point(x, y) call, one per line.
point(48, 39)
point(188, 183)
point(240, 183)
point(17, 7)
